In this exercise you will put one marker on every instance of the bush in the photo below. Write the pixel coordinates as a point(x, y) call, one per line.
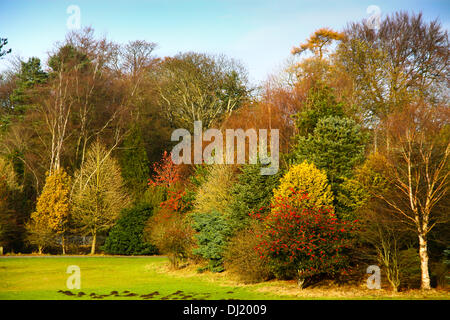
point(126, 237)
point(302, 242)
point(213, 232)
point(172, 235)
point(305, 177)
point(242, 259)
point(409, 265)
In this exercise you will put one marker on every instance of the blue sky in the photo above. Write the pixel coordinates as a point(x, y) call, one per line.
point(258, 33)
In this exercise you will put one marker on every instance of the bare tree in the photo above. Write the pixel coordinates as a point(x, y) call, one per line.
point(194, 86)
point(405, 59)
point(417, 168)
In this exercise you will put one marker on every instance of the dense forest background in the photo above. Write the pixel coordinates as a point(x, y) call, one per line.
point(363, 117)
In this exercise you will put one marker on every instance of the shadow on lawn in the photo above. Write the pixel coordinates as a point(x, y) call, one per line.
point(177, 295)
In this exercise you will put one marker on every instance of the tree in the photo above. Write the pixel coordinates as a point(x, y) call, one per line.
point(169, 228)
point(406, 59)
point(300, 241)
point(242, 258)
point(30, 77)
point(320, 103)
point(305, 177)
point(53, 206)
point(415, 170)
point(4, 42)
point(134, 162)
point(383, 234)
point(214, 193)
point(9, 195)
point(98, 192)
point(336, 146)
point(213, 232)
point(137, 55)
point(318, 42)
point(165, 172)
point(39, 234)
point(127, 237)
point(195, 86)
point(5, 214)
point(251, 192)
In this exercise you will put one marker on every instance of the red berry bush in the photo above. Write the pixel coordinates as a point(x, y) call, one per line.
point(301, 243)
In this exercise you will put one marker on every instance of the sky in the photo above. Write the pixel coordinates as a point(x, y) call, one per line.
point(258, 33)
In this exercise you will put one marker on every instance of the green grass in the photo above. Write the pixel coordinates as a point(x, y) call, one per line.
point(45, 277)
point(42, 277)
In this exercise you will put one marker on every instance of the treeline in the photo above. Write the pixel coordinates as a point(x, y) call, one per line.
point(363, 120)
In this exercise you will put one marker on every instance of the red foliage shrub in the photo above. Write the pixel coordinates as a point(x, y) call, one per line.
point(302, 243)
point(166, 173)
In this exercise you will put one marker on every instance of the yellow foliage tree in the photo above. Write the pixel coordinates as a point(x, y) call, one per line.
point(8, 186)
point(53, 205)
point(306, 177)
point(214, 193)
point(99, 192)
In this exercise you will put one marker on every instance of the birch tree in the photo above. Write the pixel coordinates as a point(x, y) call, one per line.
point(417, 170)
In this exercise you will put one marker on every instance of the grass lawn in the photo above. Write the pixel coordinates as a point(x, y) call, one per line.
point(150, 278)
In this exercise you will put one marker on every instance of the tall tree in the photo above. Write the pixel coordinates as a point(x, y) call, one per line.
point(134, 162)
point(407, 57)
point(336, 146)
point(195, 86)
point(417, 172)
point(30, 76)
point(98, 192)
point(318, 42)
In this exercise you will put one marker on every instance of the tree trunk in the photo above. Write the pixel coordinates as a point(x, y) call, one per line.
point(63, 245)
point(40, 249)
point(423, 253)
point(94, 240)
point(300, 282)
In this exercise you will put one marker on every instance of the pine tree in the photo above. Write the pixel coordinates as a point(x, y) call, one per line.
point(134, 162)
point(251, 192)
point(336, 146)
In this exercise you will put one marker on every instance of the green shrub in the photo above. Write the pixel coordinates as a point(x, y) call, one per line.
point(251, 192)
point(409, 265)
point(126, 237)
point(213, 233)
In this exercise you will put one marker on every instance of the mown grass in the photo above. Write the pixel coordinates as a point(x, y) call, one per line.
point(150, 278)
point(43, 277)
